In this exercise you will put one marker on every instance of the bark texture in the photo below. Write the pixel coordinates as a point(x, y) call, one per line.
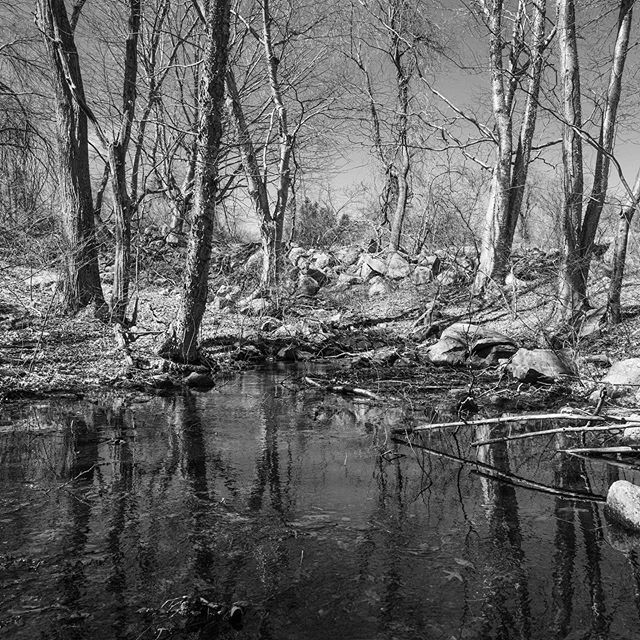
point(81, 278)
point(182, 343)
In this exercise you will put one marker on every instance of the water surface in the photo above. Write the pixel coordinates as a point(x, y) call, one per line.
point(301, 508)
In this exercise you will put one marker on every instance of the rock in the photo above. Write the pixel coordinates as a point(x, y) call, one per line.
point(447, 278)
point(447, 351)
point(514, 283)
point(481, 344)
point(257, 307)
point(322, 260)
point(397, 266)
point(221, 302)
point(253, 262)
point(287, 354)
point(371, 267)
point(541, 365)
point(591, 325)
point(348, 256)
point(422, 275)
point(345, 280)
point(161, 381)
point(623, 504)
point(378, 287)
point(621, 539)
point(199, 380)
point(319, 276)
point(295, 254)
point(431, 262)
point(308, 286)
point(623, 379)
point(43, 280)
point(631, 435)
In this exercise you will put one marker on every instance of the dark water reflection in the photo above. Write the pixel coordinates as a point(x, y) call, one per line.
point(303, 508)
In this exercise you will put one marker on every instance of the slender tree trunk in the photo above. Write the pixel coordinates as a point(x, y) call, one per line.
point(117, 159)
point(607, 139)
point(82, 279)
point(620, 255)
point(523, 153)
point(572, 287)
point(272, 228)
point(182, 344)
point(497, 213)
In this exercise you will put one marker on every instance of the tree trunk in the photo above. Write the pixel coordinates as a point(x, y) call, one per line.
point(572, 287)
point(607, 138)
point(117, 159)
point(273, 227)
point(182, 344)
point(493, 261)
point(82, 279)
point(614, 309)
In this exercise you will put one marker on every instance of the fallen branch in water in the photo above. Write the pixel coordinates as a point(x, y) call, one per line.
point(612, 463)
point(502, 420)
point(343, 388)
point(490, 471)
point(547, 432)
point(585, 451)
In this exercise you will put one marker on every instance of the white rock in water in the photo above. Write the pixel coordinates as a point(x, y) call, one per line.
point(623, 504)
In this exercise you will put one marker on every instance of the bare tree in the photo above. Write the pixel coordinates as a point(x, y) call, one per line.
point(510, 172)
point(182, 341)
point(82, 279)
point(579, 233)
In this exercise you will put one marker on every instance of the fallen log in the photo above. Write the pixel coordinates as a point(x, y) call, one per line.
point(344, 389)
point(547, 432)
point(503, 420)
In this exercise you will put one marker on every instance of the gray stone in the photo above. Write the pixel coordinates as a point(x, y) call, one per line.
point(257, 307)
point(481, 344)
point(447, 351)
point(378, 287)
point(623, 504)
point(631, 435)
point(422, 275)
point(371, 266)
point(322, 260)
point(308, 286)
point(397, 266)
point(431, 262)
point(591, 325)
point(623, 379)
point(346, 280)
point(43, 280)
point(295, 254)
point(199, 380)
point(348, 255)
point(541, 365)
point(447, 278)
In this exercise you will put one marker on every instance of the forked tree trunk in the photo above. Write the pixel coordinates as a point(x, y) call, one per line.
point(81, 279)
point(182, 343)
point(607, 138)
point(579, 234)
point(508, 189)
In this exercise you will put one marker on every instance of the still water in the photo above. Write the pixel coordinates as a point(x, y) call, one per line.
point(302, 509)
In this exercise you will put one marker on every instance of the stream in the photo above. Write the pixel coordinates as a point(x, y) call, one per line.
point(299, 510)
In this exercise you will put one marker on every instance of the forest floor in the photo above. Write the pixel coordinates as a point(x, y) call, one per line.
point(377, 342)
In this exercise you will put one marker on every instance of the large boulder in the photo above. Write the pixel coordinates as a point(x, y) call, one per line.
point(465, 342)
point(623, 504)
point(398, 267)
point(623, 379)
point(541, 365)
